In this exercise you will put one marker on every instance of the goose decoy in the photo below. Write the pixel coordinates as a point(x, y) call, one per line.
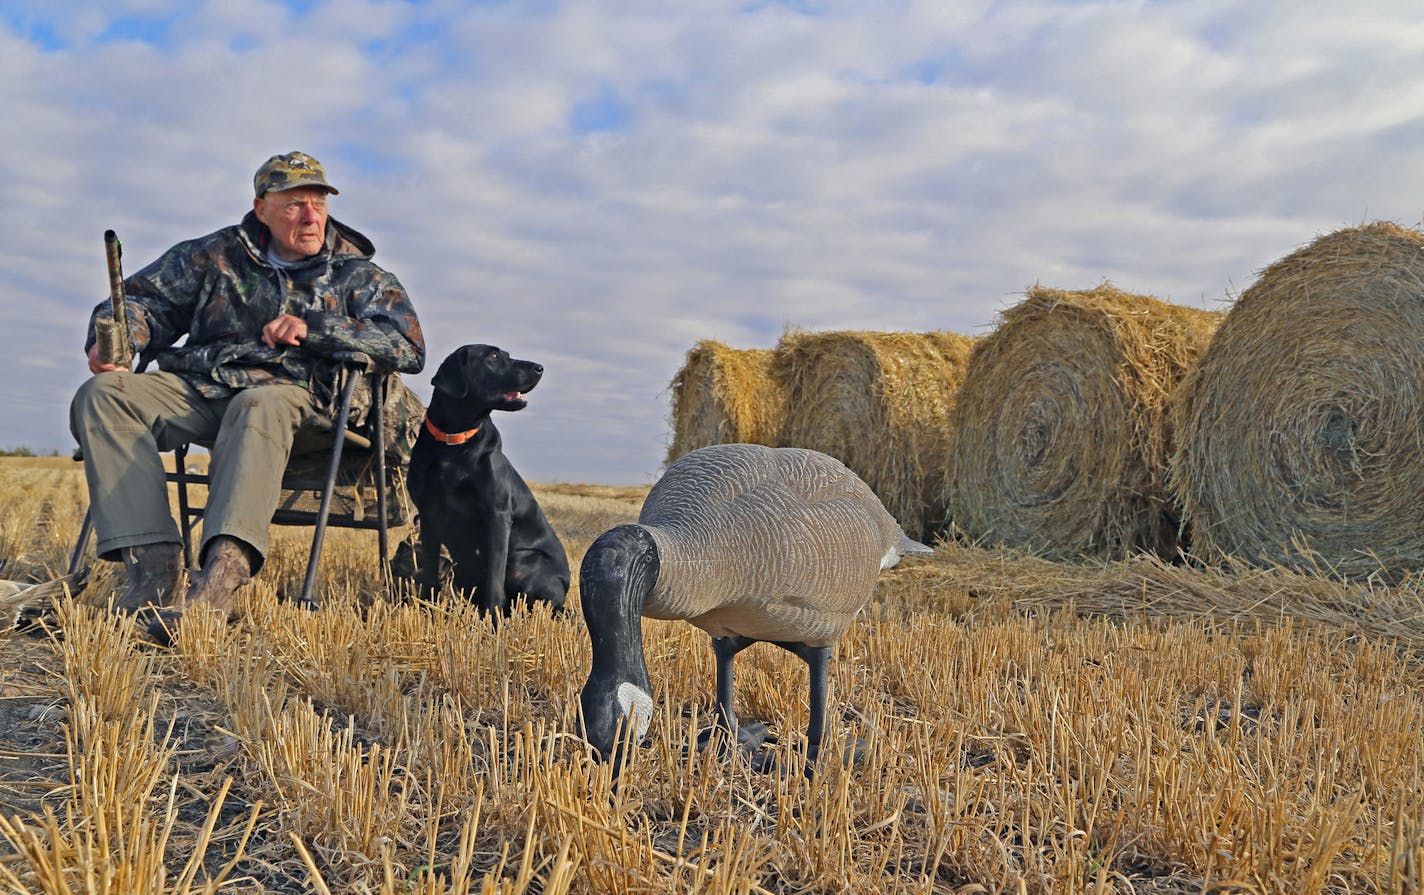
point(748, 543)
point(23, 603)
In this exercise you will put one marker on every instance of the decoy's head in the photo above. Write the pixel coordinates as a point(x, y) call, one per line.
point(616, 715)
point(617, 574)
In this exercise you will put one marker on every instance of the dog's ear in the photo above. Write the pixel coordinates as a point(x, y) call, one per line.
point(450, 379)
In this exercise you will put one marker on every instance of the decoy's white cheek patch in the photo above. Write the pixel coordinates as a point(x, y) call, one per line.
point(636, 704)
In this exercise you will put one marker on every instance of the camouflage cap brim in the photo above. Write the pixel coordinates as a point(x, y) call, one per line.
point(293, 184)
point(290, 171)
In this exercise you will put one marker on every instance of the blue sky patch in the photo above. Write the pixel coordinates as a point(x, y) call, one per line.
point(417, 36)
point(301, 7)
point(605, 112)
point(154, 31)
point(366, 158)
point(943, 67)
point(801, 7)
point(22, 19)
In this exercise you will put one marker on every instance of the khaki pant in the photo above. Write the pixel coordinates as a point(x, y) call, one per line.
point(124, 420)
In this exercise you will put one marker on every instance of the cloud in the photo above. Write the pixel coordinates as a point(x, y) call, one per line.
point(598, 186)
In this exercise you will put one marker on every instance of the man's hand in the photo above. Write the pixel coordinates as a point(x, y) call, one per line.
point(97, 366)
point(285, 330)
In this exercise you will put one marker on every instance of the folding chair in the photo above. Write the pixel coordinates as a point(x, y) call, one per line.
point(354, 488)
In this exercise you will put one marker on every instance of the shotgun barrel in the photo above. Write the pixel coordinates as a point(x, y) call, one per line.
point(113, 334)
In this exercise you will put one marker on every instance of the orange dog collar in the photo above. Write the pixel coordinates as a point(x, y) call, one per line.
point(450, 437)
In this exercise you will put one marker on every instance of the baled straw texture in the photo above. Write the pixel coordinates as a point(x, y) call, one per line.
point(881, 404)
point(989, 585)
point(1301, 431)
point(724, 396)
point(1061, 440)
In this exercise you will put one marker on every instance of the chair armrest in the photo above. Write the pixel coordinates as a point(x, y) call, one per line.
point(356, 358)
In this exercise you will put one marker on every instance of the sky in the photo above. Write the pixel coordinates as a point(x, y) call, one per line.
point(598, 185)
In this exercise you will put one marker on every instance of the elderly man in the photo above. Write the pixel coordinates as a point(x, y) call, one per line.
point(264, 306)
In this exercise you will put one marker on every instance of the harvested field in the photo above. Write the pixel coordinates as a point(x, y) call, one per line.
point(881, 403)
point(724, 396)
point(1300, 431)
point(1060, 436)
point(1030, 726)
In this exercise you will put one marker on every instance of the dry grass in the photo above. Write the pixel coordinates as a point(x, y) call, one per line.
point(881, 403)
point(1300, 429)
point(1060, 435)
point(1029, 726)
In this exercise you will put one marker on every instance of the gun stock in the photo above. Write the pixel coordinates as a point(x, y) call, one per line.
point(113, 335)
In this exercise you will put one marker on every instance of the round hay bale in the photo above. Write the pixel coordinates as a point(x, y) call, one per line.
point(880, 403)
point(1061, 437)
point(724, 396)
point(1301, 431)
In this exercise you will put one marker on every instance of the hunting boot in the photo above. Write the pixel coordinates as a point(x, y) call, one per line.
point(227, 565)
point(153, 571)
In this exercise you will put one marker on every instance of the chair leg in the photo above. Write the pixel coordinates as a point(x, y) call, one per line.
point(185, 525)
point(324, 510)
point(378, 400)
point(85, 529)
point(185, 518)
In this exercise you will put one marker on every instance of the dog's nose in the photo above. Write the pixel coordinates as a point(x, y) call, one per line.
point(539, 368)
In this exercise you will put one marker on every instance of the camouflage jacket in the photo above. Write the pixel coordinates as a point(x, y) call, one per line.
point(220, 291)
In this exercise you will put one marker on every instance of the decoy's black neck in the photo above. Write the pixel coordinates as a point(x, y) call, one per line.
point(618, 572)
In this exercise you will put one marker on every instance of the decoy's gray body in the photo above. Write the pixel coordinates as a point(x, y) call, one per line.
point(750, 544)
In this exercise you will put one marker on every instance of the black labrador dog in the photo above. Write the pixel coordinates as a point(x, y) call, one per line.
point(470, 499)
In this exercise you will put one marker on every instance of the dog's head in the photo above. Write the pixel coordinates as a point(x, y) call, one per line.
point(488, 377)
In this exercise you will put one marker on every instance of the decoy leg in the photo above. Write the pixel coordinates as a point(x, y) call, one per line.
point(750, 738)
point(726, 649)
point(818, 663)
point(818, 660)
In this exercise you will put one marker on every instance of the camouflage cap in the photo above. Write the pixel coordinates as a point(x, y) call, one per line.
point(289, 171)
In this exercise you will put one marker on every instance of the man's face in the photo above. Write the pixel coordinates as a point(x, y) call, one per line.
point(297, 219)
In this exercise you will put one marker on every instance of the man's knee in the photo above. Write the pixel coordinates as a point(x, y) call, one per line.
point(98, 399)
